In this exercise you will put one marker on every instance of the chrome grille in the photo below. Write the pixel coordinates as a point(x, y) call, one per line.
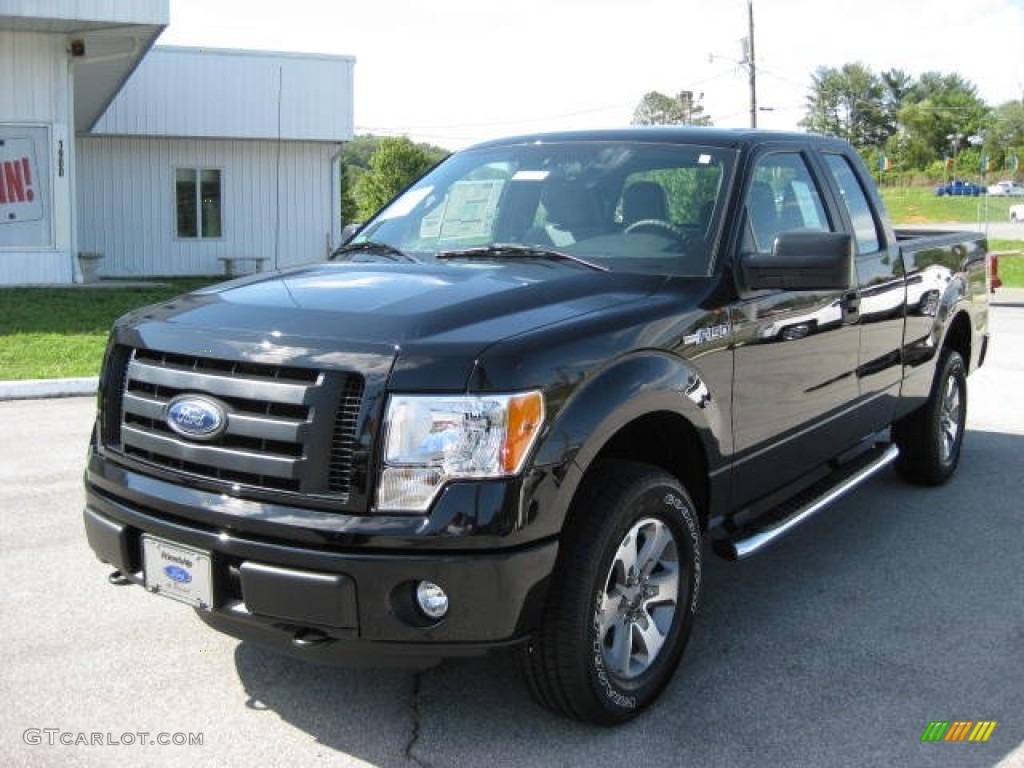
point(272, 440)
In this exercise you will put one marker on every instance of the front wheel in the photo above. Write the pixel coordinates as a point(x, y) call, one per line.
point(623, 596)
point(931, 437)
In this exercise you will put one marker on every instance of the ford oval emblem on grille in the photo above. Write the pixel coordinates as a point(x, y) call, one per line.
point(199, 418)
point(178, 574)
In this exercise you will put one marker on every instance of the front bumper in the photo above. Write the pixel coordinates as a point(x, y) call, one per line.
point(334, 604)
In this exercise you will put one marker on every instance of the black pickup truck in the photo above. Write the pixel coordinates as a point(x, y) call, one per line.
point(516, 408)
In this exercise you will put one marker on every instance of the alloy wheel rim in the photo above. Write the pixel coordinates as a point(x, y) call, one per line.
point(949, 418)
point(639, 600)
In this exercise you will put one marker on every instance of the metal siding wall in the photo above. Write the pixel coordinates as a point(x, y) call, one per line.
point(121, 11)
point(34, 89)
point(127, 209)
point(219, 94)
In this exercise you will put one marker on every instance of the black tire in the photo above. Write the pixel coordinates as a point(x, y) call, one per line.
point(587, 659)
point(931, 437)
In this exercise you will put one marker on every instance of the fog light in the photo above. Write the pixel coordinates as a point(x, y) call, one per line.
point(432, 599)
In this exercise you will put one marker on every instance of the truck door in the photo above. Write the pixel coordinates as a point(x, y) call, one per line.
point(881, 297)
point(795, 351)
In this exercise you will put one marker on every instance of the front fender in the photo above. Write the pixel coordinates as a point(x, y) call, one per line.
point(638, 385)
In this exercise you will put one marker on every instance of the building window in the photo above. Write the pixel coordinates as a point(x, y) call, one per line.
point(198, 200)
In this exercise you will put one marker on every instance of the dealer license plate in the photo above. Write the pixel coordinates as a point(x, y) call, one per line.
point(180, 573)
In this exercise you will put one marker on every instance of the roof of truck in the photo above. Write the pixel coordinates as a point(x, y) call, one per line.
point(724, 137)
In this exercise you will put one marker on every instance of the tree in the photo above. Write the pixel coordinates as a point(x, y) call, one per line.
point(852, 103)
point(395, 164)
point(656, 108)
point(939, 115)
point(1005, 135)
point(349, 209)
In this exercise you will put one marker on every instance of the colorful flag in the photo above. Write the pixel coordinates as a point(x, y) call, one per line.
point(884, 163)
point(984, 163)
point(1014, 162)
point(949, 163)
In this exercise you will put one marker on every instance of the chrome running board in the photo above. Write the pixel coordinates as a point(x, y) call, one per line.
point(751, 540)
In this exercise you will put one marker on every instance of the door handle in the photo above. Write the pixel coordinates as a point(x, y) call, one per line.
point(851, 303)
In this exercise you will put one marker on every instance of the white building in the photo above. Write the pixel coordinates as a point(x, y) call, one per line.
point(164, 160)
point(208, 154)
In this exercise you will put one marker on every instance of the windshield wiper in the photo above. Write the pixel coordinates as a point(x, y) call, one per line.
point(375, 247)
point(504, 250)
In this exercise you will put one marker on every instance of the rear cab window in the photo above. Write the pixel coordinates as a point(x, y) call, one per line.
point(854, 199)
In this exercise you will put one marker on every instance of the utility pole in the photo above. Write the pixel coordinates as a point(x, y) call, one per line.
point(751, 66)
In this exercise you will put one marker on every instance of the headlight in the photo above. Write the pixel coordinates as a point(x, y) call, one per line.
point(430, 440)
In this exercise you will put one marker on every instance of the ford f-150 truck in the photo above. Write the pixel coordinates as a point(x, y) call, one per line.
point(524, 399)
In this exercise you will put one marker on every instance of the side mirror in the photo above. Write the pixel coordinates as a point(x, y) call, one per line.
point(349, 231)
point(801, 260)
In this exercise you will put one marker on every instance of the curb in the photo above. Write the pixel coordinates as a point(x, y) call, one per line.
point(1007, 296)
point(35, 389)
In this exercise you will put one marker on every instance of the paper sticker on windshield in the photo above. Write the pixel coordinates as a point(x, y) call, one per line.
point(467, 213)
point(704, 160)
point(806, 201)
point(530, 175)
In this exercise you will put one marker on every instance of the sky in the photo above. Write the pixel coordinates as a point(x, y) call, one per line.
point(454, 72)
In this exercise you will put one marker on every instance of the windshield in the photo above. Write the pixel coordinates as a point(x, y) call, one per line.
point(626, 206)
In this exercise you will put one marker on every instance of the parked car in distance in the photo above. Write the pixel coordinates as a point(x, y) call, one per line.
point(1006, 189)
point(960, 188)
point(1017, 212)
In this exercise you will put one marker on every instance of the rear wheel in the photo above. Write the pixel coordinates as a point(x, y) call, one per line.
point(622, 599)
point(930, 438)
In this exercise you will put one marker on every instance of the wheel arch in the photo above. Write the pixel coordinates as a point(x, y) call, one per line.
point(668, 441)
point(653, 408)
point(958, 336)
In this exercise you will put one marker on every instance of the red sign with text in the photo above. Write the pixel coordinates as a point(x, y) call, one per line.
point(19, 195)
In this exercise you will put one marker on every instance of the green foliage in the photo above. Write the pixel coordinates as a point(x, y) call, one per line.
point(940, 114)
point(396, 164)
point(914, 123)
point(1007, 125)
point(57, 332)
point(369, 181)
point(349, 209)
point(684, 108)
point(852, 103)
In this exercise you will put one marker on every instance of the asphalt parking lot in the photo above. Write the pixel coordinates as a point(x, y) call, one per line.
point(897, 607)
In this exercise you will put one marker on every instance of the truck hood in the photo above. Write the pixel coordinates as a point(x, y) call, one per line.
point(436, 315)
point(399, 304)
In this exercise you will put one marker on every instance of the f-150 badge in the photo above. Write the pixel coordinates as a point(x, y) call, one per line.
point(704, 335)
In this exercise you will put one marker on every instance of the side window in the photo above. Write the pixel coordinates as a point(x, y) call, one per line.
point(865, 229)
point(782, 197)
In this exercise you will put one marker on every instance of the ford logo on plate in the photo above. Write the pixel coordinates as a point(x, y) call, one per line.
point(178, 574)
point(200, 418)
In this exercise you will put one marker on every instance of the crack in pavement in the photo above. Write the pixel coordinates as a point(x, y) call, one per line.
point(417, 720)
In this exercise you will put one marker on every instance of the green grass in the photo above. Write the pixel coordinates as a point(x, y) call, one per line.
point(920, 205)
point(1011, 269)
point(56, 332)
